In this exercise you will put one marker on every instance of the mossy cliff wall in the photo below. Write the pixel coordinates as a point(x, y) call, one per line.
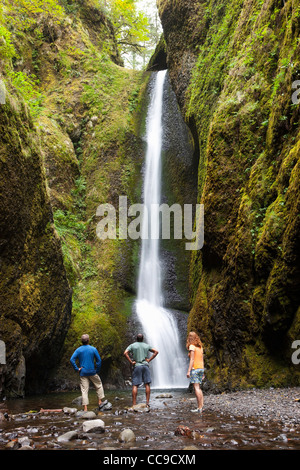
point(70, 141)
point(35, 307)
point(232, 65)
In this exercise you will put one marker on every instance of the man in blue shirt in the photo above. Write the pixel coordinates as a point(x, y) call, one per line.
point(89, 366)
point(140, 360)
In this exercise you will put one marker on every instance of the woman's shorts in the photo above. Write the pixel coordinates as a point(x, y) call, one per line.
point(141, 374)
point(196, 376)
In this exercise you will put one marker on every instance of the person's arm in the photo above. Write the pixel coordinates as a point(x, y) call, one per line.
point(98, 361)
point(192, 357)
point(155, 352)
point(126, 354)
point(73, 362)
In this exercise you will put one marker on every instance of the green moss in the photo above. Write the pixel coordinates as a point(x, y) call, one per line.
point(32, 274)
point(232, 65)
point(86, 119)
point(264, 371)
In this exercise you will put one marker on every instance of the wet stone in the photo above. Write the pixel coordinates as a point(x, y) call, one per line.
point(140, 407)
point(69, 411)
point(77, 401)
point(86, 415)
point(96, 425)
point(127, 435)
point(12, 445)
point(23, 441)
point(68, 436)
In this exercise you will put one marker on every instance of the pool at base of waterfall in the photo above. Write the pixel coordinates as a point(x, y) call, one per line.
point(169, 423)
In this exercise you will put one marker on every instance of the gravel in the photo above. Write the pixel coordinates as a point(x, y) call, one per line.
point(281, 405)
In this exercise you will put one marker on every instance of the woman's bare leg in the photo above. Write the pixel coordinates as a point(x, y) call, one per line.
point(199, 395)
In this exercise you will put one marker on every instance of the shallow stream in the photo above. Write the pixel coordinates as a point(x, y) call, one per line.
point(169, 425)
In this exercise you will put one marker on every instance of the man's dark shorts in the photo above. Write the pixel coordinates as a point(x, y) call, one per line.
point(141, 374)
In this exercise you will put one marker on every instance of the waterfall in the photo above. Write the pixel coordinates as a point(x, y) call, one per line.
point(159, 326)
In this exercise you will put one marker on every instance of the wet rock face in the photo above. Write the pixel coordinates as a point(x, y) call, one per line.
point(179, 182)
point(159, 59)
point(180, 21)
point(35, 294)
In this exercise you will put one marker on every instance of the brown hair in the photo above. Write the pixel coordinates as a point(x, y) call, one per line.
point(194, 339)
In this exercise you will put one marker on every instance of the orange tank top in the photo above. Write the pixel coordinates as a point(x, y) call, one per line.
point(198, 358)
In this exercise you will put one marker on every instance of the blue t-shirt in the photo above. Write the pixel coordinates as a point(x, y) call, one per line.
point(87, 356)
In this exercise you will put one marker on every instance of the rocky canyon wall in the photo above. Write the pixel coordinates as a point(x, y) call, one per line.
point(68, 143)
point(232, 66)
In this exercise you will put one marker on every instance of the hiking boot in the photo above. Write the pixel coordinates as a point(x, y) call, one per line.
point(102, 404)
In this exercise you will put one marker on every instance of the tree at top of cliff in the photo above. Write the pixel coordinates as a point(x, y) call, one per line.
point(130, 24)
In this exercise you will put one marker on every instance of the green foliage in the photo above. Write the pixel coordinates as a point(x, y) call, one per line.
point(130, 25)
point(73, 233)
point(66, 223)
point(79, 194)
point(7, 50)
point(28, 89)
point(70, 6)
point(26, 12)
point(133, 100)
point(137, 29)
point(108, 95)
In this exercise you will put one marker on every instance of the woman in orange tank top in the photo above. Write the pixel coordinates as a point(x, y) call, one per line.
point(196, 367)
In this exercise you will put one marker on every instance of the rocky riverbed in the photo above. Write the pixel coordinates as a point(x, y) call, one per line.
point(245, 420)
point(277, 405)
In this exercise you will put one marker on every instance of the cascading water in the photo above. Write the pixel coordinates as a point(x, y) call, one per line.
point(159, 327)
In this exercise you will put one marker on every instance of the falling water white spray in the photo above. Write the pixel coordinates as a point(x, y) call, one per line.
point(159, 326)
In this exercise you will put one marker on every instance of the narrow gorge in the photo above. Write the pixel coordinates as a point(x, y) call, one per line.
point(73, 121)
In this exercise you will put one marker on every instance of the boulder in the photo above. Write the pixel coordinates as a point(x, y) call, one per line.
point(140, 408)
point(68, 436)
point(127, 435)
point(95, 425)
point(77, 401)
